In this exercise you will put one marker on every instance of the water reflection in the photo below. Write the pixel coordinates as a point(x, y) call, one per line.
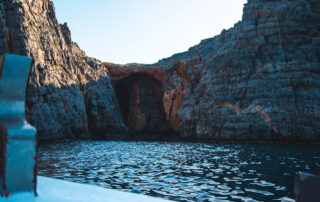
point(183, 171)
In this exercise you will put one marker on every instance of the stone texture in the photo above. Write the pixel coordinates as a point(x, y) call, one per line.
point(67, 90)
point(140, 92)
point(259, 80)
point(256, 81)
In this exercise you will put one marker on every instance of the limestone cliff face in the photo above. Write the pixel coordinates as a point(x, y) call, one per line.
point(69, 94)
point(259, 80)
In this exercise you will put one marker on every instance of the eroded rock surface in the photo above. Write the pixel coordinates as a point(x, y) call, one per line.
point(157, 93)
point(259, 80)
point(68, 92)
point(256, 81)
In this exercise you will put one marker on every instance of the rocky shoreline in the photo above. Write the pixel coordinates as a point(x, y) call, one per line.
point(256, 82)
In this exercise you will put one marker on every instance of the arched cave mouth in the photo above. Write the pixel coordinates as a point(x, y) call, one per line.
point(140, 99)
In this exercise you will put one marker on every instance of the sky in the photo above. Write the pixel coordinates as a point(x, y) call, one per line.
point(144, 31)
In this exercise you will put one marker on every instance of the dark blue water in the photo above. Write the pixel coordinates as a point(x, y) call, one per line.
point(183, 171)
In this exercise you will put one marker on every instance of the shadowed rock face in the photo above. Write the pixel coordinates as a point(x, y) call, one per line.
point(68, 93)
point(259, 80)
point(140, 100)
point(145, 81)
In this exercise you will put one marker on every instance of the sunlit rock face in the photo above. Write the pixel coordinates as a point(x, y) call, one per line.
point(256, 81)
point(259, 80)
point(69, 94)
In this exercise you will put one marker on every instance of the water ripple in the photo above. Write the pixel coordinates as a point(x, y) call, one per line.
point(183, 171)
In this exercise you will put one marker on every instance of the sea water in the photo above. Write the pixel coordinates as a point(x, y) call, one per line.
point(183, 171)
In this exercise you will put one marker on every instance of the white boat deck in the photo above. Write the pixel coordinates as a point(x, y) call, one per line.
point(53, 190)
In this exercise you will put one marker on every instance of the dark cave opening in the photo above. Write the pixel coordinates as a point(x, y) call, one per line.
point(122, 92)
point(140, 99)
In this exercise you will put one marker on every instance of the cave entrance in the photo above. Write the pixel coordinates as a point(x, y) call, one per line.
point(141, 105)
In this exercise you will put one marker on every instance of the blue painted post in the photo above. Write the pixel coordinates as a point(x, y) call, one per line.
point(17, 137)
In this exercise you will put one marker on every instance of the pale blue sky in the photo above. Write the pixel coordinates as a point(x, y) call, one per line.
point(144, 31)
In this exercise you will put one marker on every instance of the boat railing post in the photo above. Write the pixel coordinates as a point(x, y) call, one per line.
point(17, 137)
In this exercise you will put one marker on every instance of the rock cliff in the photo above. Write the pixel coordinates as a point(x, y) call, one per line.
point(256, 81)
point(259, 80)
point(69, 94)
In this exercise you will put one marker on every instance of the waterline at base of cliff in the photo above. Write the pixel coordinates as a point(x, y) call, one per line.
point(258, 81)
